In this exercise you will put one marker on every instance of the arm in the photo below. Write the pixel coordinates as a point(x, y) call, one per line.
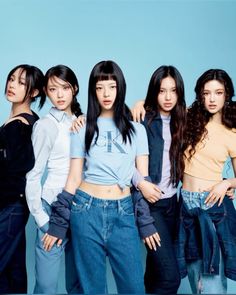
point(145, 221)
point(218, 191)
point(138, 111)
point(60, 217)
point(43, 138)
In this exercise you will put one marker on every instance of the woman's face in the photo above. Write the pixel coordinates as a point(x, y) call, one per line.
point(16, 86)
point(167, 96)
point(214, 96)
point(60, 93)
point(106, 94)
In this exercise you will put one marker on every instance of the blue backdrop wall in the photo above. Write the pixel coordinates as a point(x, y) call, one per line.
point(139, 35)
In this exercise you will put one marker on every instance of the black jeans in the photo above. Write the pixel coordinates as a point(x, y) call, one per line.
point(162, 274)
point(13, 276)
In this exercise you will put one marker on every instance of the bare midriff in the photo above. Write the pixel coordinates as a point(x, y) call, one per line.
point(195, 184)
point(111, 192)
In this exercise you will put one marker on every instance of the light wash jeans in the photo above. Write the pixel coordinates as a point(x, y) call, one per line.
point(103, 228)
point(202, 283)
point(47, 264)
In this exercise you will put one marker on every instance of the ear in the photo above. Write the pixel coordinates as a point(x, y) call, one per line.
point(35, 93)
point(75, 88)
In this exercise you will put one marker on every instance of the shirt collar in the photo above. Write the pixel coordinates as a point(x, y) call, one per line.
point(60, 115)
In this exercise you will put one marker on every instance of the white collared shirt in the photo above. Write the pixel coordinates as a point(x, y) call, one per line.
point(51, 143)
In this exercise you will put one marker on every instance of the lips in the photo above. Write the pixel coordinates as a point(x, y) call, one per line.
point(167, 105)
point(10, 93)
point(107, 102)
point(60, 102)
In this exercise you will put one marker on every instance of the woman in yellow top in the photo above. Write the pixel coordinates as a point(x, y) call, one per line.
point(207, 238)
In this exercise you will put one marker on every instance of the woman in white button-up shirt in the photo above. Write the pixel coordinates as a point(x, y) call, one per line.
point(51, 142)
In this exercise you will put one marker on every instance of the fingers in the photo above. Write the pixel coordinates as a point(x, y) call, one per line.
point(152, 240)
point(48, 242)
point(59, 242)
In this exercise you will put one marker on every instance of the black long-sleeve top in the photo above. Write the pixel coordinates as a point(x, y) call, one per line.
point(16, 158)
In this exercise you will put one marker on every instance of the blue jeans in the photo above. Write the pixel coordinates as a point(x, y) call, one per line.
point(199, 282)
point(162, 273)
point(103, 228)
point(13, 276)
point(47, 263)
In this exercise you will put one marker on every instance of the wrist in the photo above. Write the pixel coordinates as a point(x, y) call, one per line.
point(228, 183)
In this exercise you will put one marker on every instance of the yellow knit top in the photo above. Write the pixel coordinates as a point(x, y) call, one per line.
point(212, 152)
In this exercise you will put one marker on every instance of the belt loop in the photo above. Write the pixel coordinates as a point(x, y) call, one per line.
point(119, 206)
point(89, 202)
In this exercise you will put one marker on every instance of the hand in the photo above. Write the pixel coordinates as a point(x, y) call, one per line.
point(78, 123)
point(217, 192)
point(150, 191)
point(138, 111)
point(152, 240)
point(49, 241)
point(230, 193)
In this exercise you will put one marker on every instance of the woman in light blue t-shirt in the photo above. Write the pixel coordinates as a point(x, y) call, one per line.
point(102, 215)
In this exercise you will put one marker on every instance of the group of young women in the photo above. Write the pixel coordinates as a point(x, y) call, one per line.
point(86, 207)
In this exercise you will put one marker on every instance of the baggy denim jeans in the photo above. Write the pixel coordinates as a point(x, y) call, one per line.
point(47, 263)
point(13, 276)
point(203, 283)
point(103, 228)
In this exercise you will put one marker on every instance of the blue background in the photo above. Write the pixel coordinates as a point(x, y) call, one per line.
point(139, 35)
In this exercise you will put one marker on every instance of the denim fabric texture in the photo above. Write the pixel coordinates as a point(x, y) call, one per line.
point(13, 276)
point(205, 232)
point(47, 263)
point(162, 273)
point(156, 147)
point(102, 228)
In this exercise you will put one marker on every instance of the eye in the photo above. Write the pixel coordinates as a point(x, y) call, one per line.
point(113, 86)
point(11, 79)
point(98, 88)
point(162, 91)
point(52, 89)
point(22, 83)
point(205, 94)
point(219, 93)
point(174, 90)
point(66, 87)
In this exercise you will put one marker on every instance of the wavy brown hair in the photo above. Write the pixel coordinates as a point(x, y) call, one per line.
point(198, 116)
point(178, 116)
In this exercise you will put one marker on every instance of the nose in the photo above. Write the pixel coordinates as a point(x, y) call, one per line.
point(212, 97)
point(12, 84)
point(59, 93)
point(106, 92)
point(168, 95)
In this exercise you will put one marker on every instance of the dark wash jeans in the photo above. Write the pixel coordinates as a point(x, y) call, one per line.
point(162, 274)
point(13, 276)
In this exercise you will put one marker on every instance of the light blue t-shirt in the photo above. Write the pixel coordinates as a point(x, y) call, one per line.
point(110, 160)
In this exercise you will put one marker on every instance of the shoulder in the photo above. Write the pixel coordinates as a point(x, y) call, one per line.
point(139, 128)
point(47, 126)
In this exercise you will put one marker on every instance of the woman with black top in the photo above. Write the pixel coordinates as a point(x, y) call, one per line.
point(24, 84)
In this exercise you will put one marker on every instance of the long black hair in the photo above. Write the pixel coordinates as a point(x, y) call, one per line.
point(178, 116)
point(107, 70)
point(198, 116)
point(66, 74)
point(33, 81)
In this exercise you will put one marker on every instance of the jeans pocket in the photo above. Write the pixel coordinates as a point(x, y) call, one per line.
point(127, 208)
point(77, 206)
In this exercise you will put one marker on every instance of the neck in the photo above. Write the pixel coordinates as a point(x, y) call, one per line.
point(18, 108)
point(217, 118)
point(107, 114)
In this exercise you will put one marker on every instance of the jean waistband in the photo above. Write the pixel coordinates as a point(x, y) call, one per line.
point(195, 199)
point(194, 195)
point(93, 201)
